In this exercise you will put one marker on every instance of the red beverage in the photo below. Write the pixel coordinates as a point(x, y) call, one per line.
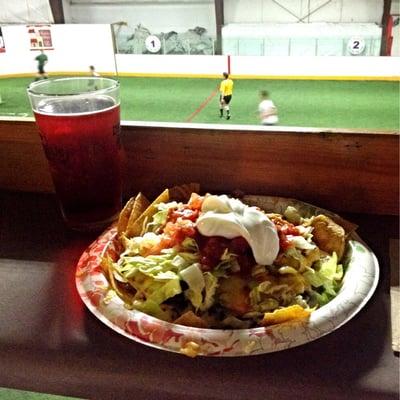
point(81, 142)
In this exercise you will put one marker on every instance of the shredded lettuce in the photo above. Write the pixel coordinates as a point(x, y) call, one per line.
point(301, 243)
point(154, 277)
point(227, 265)
point(165, 291)
point(137, 244)
point(330, 268)
point(152, 308)
point(190, 244)
point(157, 278)
point(160, 217)
point(299, 276)
point(292, 215)
point(211, 284)
point(325, 279)
point(202, 286)
point(194, 278)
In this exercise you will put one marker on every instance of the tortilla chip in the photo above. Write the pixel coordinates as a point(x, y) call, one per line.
point(269, 203)
point(125, 295)
point(138, 208)
point(182, 192)
point(124, 216)
point(136, 228)
point(189, 318)
point(291, 313)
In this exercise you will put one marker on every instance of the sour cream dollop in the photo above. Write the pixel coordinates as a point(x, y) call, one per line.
point(230, 218)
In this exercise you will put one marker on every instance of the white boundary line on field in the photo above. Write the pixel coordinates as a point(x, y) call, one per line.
point(14, 114)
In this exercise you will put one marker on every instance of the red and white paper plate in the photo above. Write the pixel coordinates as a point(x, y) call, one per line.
point(359, 283)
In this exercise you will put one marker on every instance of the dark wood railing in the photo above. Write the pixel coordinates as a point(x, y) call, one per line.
point(343, 170)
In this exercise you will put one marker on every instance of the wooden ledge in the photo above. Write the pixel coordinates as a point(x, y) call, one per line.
point(342, 170)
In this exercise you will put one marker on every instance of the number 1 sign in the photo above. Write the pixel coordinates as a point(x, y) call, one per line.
point(153, 44)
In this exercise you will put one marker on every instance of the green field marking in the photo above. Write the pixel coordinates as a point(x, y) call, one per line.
point(329, 104)
point(302, 103)
point(163, 99)
point(14, 394)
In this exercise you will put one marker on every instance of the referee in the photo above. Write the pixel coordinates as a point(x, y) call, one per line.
point(225, 89)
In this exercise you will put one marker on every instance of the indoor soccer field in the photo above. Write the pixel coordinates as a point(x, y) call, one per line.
point(370, 105)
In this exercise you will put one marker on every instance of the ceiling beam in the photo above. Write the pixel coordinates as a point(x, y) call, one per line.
point(57, 11)
point(219, 20)
point(387, 5)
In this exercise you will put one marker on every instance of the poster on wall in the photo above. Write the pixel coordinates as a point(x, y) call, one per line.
point(40, 37)
point(2, 45)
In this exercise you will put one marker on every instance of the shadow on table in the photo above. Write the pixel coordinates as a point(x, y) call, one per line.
point(105, 365)
point(334, 364)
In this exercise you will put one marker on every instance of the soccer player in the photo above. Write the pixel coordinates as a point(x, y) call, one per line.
point(267, 110)
point(94, 74)
point(225, 89)
point(93, 71)
point(41, 60)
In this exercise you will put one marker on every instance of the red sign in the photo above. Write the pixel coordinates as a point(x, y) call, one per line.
point(2, 45)
point(40, 37)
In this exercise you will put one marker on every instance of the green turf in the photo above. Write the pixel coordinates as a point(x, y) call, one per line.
point(13, 95)
point(13, 394)
point(329, 104)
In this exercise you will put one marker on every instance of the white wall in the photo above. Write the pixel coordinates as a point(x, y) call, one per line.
point(314, 67)
point(396, 41)
point(240, 11)
point(269, 67)
point(22, 11)
point(157, 16)
point(171, 65)
point(78, 46)
point(181, 15)
point(396, 30)
point(75, 48)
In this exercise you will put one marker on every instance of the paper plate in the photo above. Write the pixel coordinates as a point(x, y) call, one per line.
point(359, 283)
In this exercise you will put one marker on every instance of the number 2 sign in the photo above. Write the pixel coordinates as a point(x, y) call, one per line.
point(356, 45)
point(153, 44)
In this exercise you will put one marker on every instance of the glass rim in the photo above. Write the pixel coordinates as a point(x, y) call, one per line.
point(33, 86)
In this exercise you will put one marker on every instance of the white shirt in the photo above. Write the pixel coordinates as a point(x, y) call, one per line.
point(268, 112)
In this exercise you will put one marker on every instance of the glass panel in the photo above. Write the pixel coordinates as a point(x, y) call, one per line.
point(251, 47)
point(329, 47)
point(302, 46)
point(276, 46)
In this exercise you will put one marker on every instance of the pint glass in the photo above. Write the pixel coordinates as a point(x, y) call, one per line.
point(79, 125)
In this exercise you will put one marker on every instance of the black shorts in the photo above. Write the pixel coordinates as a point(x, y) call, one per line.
point(41, 69)
point(227, 99)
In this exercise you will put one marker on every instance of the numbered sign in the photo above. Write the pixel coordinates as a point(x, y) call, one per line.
point(153, 44)
point(356, 45)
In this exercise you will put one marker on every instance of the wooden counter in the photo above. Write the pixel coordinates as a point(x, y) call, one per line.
point(340, 170)
point(49, 341)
